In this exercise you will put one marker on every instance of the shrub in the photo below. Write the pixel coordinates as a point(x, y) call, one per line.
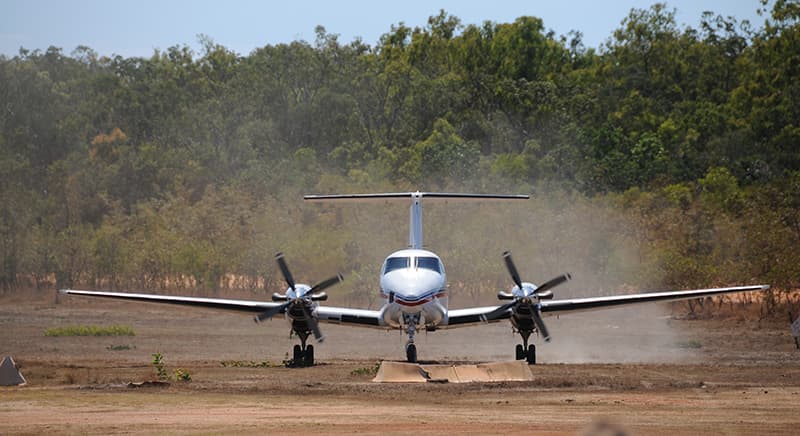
point(90, 330)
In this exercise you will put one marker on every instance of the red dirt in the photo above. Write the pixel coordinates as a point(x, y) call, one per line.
point(640, 371)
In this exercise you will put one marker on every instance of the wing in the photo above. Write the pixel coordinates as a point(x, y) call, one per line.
point(328, 314)
point(347, 316)
point(594, 303)
point(473, 315)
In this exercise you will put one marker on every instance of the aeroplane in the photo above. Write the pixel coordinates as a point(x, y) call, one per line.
point(413, 285)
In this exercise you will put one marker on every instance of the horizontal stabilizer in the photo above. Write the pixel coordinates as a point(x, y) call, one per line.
point(405, 195)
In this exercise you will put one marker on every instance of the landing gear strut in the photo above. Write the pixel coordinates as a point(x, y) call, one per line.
point(411, 329)
point(524, 351)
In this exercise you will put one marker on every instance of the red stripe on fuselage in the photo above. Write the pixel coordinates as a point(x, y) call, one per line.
point(399, 300)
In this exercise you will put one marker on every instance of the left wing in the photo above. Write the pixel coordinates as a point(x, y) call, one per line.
point(335, 315)
point(474, 315)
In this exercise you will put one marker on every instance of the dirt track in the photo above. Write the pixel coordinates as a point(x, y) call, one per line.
point(646, 373)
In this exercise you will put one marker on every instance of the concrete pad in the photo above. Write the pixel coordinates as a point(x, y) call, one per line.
point(401, 372)
point(398, 372)
point(513, 370)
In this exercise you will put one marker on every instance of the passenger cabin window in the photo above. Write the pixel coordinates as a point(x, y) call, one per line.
point(430, 263)
point(394, 263)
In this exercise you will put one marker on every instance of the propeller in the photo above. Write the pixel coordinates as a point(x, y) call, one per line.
point(303, 296)
point(530, 300)
point(287, 275)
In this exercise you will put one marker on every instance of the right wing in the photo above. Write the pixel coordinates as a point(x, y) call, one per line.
point(475, 315)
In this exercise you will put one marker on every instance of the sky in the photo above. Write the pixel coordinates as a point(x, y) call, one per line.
point(137, 28)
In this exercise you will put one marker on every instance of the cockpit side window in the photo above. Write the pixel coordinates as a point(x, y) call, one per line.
point(394, 263)
point(430, 263)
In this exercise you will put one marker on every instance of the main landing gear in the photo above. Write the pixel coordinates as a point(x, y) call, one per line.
point(524, 351)
point(302, 354)
point(301, 357)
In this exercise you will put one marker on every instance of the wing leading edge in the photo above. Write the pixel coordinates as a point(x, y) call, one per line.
point(329, 314)
point(471, 316)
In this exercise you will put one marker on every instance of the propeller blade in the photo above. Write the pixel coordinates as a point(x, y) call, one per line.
point(325, 284)
point(313, 325)
point(512, 269)
point(499, 311)
point(537, 319)
point(287, 275)
point(272, 312)
point(552, 283)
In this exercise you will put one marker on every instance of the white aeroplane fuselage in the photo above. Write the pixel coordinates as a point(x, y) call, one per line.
point(414, 287)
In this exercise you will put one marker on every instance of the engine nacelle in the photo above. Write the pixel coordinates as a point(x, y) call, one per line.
point(278, 297)
point(319, 296)
point(503, 295)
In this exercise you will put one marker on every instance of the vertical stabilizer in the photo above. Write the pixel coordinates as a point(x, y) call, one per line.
point(415, 221)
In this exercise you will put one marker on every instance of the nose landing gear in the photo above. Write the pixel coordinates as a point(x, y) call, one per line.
point(411, 321)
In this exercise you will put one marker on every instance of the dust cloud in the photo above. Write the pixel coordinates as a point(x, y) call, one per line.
point(552, 233)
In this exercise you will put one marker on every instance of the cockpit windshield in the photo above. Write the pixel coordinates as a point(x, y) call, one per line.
point(430, 263)
point(422, 262)
point(394, 263)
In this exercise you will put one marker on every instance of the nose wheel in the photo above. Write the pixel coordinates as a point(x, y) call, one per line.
point(411, 353)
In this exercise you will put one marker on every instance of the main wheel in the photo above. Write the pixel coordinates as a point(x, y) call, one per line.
point(531, 356)
point(520, 352)
point(297, 355)
point(411, 353)
point(308, 359)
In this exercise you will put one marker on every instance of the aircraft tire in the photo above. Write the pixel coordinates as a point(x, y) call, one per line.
point(531, 355)
point(297, 355)
point(411, 353)
point(308, 358)
point(520, 352)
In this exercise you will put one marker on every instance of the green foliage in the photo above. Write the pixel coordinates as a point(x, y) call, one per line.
point(182, 375)
point(366, 371)
point(158, 364)
point(179, 374)
point(90, 330)
point(720, 190)
point(690, 344)
point(183, 171)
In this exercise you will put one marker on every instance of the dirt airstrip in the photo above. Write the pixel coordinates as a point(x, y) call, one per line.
point(638, 371)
